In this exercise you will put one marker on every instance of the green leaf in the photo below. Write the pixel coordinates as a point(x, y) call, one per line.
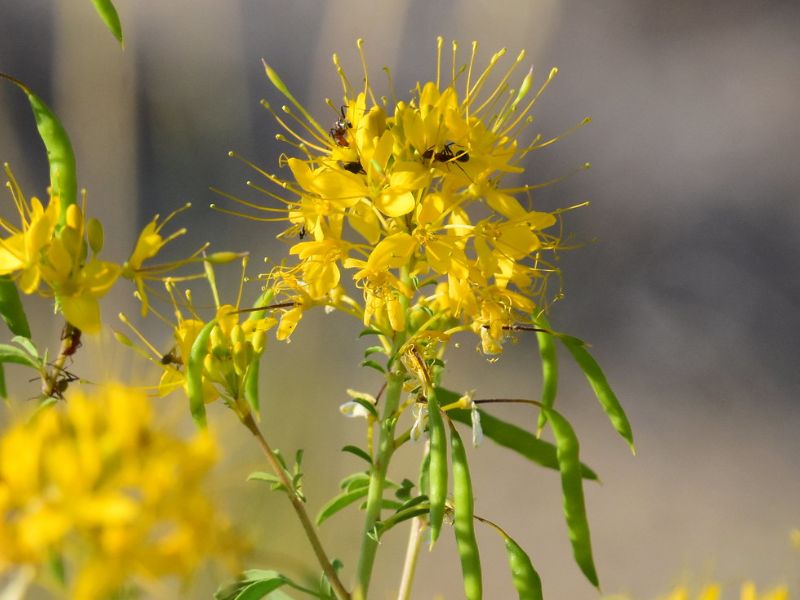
point(368, 406)
point(339, 502)
point(369, 331)
point(374, 350)
point(11, 309)
point(404, 514)
point(549, 359)
point(572, 487)
point(354, 481)
point(608, 400)
point(517, 439)
point(268, 477)
point(110, 17)
point(356, 451)
point(12, 354)
point(26, 345)
point(254, 584)
point(373, 365)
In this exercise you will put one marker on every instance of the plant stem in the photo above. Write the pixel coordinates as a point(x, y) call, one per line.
point(377, 482)
point(412, 554)
point(299, 508)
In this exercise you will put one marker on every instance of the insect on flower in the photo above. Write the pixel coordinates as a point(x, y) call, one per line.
point(71, 338)
point(172, 358)
point(339, 130)
point(446, 154)
point(354, 167)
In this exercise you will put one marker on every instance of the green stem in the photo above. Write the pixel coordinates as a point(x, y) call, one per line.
point(412, 554)
point(377, 482)
point(299, 508)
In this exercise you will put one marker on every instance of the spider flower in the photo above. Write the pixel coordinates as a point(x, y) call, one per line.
point(97, 485)
point(410, 192)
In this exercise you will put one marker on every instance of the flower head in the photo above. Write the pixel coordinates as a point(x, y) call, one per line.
point(96, 483)
point(409, 193)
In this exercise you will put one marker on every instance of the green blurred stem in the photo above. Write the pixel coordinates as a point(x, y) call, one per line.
point(412, 554)
point(299, 508)
point(377, 483)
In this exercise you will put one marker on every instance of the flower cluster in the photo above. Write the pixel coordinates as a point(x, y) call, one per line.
point(59, 257)
point(97, 486)
point(230, 346)
point(408, 197)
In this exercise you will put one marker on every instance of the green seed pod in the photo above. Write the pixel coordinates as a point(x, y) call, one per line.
point(464, 523)
point(437, 470)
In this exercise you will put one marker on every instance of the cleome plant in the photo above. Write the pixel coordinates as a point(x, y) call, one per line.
point(413, 216)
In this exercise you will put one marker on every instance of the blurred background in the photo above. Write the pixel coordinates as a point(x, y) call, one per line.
point(687, 285)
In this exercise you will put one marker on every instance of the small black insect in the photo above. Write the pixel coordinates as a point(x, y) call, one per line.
point(446, 154)
point(339, 130)
point(302, 232)
point(172, 358)
point(354, 167)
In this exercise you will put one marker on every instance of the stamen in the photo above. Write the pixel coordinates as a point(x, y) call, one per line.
point(347, 89)
point(323, 140)
point(278, 83)
point(212, 281)
point(18, 196)
point(367, 88)
point(138, 334)
point(283, 124)
point(501, 87)
point(455, 53)
point(245, 260)
point(550, 77)
point(248, 204)
point(392, 89)
point(468, 91)
point(535, 146)
point(439, 43)
point(279, 182)
point(235, 213)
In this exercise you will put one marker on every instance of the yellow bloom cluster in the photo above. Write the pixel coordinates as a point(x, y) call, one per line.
point(714, 592)
point(408, 196)
point(98, 486)
point(232, 346)
point(60, 259)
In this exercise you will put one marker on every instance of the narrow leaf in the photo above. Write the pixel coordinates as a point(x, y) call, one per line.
point(11, 309)
point(13, 354)
point(339, 502)
point(356, 451)
point(264, 476)
point(373, 365)
point(608, 400)
point(572, 487)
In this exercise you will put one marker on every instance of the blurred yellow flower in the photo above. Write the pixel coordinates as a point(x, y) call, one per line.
point(95, 483)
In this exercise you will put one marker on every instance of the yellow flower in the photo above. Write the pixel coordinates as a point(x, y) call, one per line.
point(21, 252)
point(97, 484)
point(420, 181)
point(77, 283)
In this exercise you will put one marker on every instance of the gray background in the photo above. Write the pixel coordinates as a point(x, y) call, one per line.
point(689, 295)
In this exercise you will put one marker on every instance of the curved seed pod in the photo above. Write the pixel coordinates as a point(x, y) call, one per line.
point(567, 452)
point(61, 158)
point(549, 358)
point(464, 523)
point(602, 390)
point(526, 579)
point(437, 469)
point(194, 374)
point(110, 17)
